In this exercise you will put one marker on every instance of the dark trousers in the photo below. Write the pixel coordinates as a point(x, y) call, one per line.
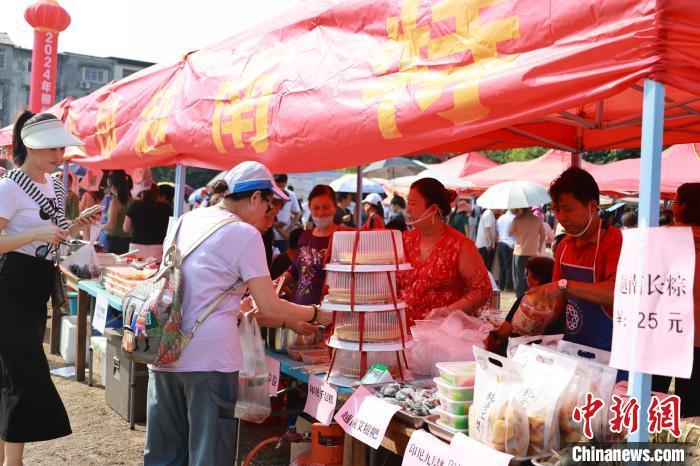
point(505, 263)
point(118, 244)
point(487, 255)
point(687, 389)
point(520, 274)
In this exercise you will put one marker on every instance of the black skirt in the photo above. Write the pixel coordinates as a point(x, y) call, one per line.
point(30, 407)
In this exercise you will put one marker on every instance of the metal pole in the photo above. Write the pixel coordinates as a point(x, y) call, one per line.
point(358, 202)
point(179, 203)
point(649, 195)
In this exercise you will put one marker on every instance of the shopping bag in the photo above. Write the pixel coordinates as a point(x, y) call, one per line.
point(253, 403)
point(84, 263)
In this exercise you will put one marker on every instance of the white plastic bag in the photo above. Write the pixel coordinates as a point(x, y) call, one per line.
point(546, 378)
point(445, 340)
point(253, 403)
point(549, 341)
point(496, 417)
point(84, 262)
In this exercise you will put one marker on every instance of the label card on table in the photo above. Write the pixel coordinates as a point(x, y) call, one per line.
point(273, 369)
point(653, 311)
point(424, 449)
point(99, 319)
point(366, 417)
point(321, 400)
point(478, 453)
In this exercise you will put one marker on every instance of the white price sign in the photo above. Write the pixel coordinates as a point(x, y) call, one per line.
point(99, 319)
point(478, 453)
point(425, 449)
point(321, 400)
point(366, 417)
point(273, 370)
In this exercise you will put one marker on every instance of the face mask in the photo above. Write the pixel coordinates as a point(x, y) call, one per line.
point(427, 214)
point(322, 222)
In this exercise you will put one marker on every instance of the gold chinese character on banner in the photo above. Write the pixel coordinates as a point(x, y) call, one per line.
point(152, 137)
point(242, 113)
point(106, 126)
point(416, 63)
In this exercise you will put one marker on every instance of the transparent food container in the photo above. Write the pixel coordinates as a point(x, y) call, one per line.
point(457, 422)
point(347, 363)
point(374, 248)
point(460, 408)
point(454, 393)
point(458, 374)
point(370, 287)
point(379, 326)
point(317, 356)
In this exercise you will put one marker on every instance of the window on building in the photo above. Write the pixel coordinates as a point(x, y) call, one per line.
point(29, 66)
point(3, 55)
point(128, 72)
point(96, 75)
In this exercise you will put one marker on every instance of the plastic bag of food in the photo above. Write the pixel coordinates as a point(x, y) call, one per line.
point(496, 417)
point(549, 341)
point(253, 403)
point(590, 377)
point(84, 263)
point(582, 351)
point(545, 381)
point(537, 310)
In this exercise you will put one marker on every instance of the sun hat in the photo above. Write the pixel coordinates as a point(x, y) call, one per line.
point(373, 198)
point(48, 134)
point(252, 176)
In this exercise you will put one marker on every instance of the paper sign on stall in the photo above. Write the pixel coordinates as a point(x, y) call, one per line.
point(478, 453)
point(320, 400)
point(653, 311)
point(99, 319)
point(425, 449)
point(366, 417)
point(273, 370)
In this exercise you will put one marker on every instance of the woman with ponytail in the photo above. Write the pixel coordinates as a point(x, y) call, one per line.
point(32, 225)
point(448, 274)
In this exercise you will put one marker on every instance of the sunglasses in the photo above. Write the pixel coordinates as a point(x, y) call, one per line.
point(45, 249)
point(43, 215)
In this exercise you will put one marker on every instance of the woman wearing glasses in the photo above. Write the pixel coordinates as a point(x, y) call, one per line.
point(33, 224)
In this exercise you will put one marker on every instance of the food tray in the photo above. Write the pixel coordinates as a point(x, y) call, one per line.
point(458, 422)
point(402, 415)
point(458, 374)
point(335, 342)
point(129, 273)
point(454, 393)
point(369, 287)
point(366, 268)
point(347, 363)
point(438, 429)
point(316, 356)
point(379, 327)
point(374, 247)
point(326, 306)
point(294, 352)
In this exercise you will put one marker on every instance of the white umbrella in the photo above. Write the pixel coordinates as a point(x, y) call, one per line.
point(394, 167)
point(514, 195)
point(348, 184)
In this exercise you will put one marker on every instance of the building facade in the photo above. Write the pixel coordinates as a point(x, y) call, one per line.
point(77, 75)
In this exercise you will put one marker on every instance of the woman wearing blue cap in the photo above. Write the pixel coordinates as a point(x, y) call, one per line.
point(190, 411)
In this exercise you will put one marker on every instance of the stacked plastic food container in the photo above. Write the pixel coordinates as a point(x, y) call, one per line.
point(369, 319)
point(456, 393)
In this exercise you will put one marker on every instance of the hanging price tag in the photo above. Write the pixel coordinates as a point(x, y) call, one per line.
point(273, 370)
point(99, 318)
point(425, 449)
point(366, 417)
point(478, 453)
point(321, 400)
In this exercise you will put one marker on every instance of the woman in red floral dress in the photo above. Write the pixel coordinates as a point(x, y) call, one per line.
point(448, 273)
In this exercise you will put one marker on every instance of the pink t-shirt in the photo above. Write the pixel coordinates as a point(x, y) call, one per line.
point(233, 254)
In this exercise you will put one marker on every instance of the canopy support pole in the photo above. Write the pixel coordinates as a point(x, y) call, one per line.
point(179, 207)
point(649, 195)
point(358, 201)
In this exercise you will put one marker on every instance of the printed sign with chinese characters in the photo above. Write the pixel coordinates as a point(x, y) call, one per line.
point(366, 417)
point(273, 369)
point(653, 311)
point(99, 320)
point(478, 453)
point(320, 400)
point(424, 449)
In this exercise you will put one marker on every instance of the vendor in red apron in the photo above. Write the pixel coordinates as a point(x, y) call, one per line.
point(586, 259)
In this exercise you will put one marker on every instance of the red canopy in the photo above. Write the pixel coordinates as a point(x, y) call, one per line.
point(465, 164)
point(679, 164)
point(338, 83)
point(58, 109)
point(542, 170)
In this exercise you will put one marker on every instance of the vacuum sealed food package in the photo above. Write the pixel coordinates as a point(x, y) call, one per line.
point(537, 310)
point(548, 341)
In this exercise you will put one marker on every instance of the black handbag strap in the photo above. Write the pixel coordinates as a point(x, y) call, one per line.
point(57, 212)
